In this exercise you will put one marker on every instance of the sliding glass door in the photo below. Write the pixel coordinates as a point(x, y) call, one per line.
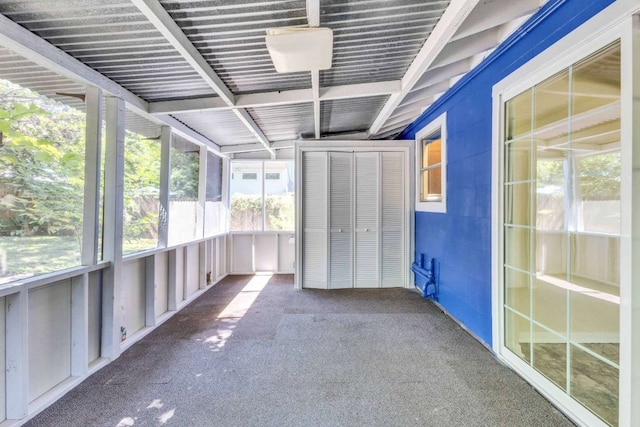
point(561, 245)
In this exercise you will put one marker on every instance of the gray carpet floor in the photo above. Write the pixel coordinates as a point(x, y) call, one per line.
point(304, 358)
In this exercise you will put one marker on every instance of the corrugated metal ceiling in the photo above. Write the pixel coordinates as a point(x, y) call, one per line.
point(222, 127)
point(114, 38)
point(230, 35)
point(374, 41)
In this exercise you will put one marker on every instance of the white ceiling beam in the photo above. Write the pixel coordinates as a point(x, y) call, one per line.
point(451, 20)
point(440, 74)
point(28, 45)
point(245, 148)
point(362, 90)
point(160, 18)
point(494, 13)
point(424, 93)
point(270, 99)
point(180, 129)
point(468, 47)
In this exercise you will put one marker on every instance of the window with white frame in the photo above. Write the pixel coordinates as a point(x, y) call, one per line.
point(431, 166)
point(262, 198)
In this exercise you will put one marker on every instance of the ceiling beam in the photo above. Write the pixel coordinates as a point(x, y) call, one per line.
point(245, 148)
point(270, 99)
point(492, 14)
point(451, 20)
point(160, 18)
point(35, 49)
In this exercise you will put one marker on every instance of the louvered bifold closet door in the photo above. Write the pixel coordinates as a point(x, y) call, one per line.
point(315, 220)
point(393, 220)
point(340, 220)
point(367, 207)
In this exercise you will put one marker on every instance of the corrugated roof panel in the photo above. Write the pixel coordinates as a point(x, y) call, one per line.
point(27, 74)
point(350, 115)
point(114, 38)
point(231, 36)
point(222, 127)
point(286, 122)
point(376, 40)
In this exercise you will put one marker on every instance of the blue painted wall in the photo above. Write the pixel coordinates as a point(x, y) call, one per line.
point(461, 239)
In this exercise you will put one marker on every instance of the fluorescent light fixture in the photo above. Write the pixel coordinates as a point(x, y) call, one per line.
point(295, 49)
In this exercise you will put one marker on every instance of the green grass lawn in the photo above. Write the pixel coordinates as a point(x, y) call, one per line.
point(30, 256)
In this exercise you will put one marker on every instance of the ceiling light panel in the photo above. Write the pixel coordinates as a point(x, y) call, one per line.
point(231, 37)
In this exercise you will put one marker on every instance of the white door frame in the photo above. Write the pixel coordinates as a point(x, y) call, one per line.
point(404, 146)
point(613, 23)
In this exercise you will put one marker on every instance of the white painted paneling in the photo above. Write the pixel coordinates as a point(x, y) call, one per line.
point(340, 220)
point(367, 209)
point(133, 278)
point(3, 388)
point(180, 274)
point(192, 273)
point(242, 256)
point(266, 252)
point(314, 214)
point(219, 261)
point(393, 220)
point(162, 283)
point(286, 252)
point(49, 330)
point(94, 311)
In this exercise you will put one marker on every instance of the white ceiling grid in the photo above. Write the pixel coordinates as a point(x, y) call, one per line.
point(203, 64)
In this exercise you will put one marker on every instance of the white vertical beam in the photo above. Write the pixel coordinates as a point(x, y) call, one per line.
point(80, 325)
point(451, 20)
point(200, 218)
point(202, 193)
point(315, 87)
point(150, 291)
point(17, 351)
point(313, 18)
point(630, 227)
point(202, 272)
point(113, 227)
point(172, 282)
point(165, 176)
point(93, 142)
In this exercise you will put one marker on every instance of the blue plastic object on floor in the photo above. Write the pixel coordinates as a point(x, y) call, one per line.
point(426, 276)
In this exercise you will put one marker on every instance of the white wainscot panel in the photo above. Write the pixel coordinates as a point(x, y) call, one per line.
point(133, 277)
point(49, 337)
point(94, 312)
point(161, 283)
point(286, 252)
point(180, 274)
point(192, 273)
point(266, 252)
point(242, 256)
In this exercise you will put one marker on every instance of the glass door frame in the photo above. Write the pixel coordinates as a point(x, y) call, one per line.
point(620, 21)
